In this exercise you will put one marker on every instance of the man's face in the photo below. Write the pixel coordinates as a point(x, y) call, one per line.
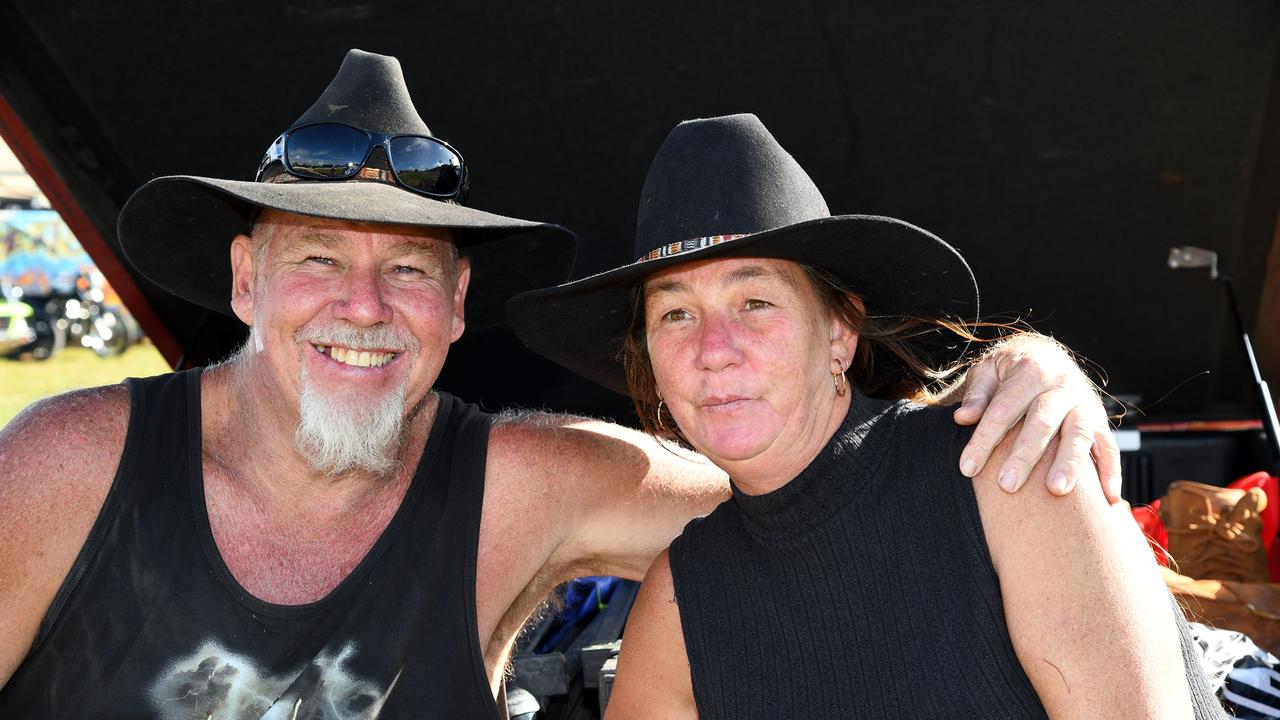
point(351, 315)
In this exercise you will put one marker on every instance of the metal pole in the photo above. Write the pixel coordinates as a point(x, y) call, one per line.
point(1265, 405)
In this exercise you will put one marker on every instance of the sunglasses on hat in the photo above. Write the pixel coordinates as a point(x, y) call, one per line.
point(334, 151)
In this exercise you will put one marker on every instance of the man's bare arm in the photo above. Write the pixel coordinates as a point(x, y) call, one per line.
point(617, 496)
point(57, 461)
point(570, 496)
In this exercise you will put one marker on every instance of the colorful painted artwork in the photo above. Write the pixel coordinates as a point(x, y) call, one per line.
point(39, 255)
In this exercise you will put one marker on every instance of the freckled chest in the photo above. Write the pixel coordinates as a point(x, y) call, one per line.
point(296, 553)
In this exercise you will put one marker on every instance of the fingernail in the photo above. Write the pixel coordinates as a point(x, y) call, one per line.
point(1009, 480)
point(1058, 483)
point(968, 467)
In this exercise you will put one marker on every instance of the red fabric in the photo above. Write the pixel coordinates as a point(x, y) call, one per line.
point(1148, 519)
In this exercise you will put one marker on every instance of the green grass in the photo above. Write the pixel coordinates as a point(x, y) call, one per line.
point(23, 382)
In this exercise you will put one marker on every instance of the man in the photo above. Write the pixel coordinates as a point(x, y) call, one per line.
point(309, 530)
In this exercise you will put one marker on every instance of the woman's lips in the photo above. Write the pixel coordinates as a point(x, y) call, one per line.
point(724, 404)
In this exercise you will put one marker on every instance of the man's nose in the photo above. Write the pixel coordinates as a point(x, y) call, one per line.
point(718, 343)
point(364, 302)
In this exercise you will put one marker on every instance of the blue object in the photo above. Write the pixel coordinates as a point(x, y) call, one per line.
point(584, 598)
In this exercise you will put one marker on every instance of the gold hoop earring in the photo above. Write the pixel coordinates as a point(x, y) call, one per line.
point(662, 425)
point(838, 377)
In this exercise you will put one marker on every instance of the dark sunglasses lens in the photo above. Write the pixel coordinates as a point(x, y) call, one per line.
point(326, 151)
point(426, 166)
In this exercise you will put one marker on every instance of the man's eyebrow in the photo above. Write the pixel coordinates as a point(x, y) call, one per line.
point(406, 247)
point(411, 247)
point(319, 239)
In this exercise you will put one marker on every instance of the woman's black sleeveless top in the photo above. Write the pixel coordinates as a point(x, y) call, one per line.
point(151, 624)
point(861, 589)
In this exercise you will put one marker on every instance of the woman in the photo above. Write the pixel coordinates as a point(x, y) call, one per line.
point(855, 572)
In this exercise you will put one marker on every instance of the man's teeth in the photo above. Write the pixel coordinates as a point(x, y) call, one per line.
point(357, 358)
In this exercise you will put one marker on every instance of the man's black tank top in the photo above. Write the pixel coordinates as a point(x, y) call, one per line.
point(150, 623)
point(863, 588)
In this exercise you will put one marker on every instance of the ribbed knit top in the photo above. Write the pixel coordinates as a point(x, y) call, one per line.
point(862, 588)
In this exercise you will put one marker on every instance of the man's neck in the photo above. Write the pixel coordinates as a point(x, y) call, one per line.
point(249, 436)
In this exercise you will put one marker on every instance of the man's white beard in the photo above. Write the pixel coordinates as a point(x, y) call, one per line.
point(337, 434)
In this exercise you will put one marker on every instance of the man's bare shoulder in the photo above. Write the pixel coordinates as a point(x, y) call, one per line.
point(535, 442)
point(58, 459)
point(69, 443)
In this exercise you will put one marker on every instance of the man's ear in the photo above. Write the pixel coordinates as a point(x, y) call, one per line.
point(460, 286)
point(242, 269)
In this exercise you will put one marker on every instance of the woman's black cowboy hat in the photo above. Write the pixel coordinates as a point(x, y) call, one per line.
point(723, 187)
point(177, 230)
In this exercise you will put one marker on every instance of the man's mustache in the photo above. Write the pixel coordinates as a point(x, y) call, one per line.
point(376, 337)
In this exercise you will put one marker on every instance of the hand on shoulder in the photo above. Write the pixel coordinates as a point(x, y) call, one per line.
point(1034, 380)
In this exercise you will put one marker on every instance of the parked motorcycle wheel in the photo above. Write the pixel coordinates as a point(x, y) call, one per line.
point(114, 332)
point(51, 338)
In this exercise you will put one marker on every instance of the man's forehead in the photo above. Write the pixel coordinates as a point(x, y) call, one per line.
point(278, 224)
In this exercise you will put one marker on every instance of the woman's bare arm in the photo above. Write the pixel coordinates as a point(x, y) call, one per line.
point(1088, 613)
point(653, 681)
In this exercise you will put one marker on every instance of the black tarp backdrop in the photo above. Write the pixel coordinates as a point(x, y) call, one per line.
point(1062, 147)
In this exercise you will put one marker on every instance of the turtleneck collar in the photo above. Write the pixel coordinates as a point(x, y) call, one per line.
point(834, 478)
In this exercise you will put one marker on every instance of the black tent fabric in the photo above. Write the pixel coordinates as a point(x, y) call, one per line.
point(1063, 148)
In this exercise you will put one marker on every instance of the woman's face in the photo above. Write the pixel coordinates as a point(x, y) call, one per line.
point(743, 354)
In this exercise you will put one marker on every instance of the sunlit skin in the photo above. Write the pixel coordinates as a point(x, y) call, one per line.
point(744, 354)
point(318, 274)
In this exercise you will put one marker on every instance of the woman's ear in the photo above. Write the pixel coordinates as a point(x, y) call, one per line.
point(844, 340)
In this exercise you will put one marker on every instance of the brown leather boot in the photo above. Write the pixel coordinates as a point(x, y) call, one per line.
point(1216, 532)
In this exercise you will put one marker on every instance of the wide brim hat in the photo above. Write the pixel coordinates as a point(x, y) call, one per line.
point(177, 230)
point(723, 187)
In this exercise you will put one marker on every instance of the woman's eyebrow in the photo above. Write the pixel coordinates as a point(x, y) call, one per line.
point(742, 274)
point(749, 272)
point(664, 286)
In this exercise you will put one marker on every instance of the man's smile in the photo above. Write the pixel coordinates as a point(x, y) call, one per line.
point(356, 358)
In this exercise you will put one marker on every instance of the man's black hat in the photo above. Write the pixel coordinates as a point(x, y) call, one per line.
point(723, 187)
point(177, 230)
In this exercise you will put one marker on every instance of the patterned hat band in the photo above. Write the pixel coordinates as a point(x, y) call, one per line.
point(685, 246)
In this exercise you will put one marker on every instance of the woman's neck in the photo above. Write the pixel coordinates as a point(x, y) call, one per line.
point(782, 462)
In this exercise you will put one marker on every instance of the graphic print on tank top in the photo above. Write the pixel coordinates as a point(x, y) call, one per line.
point(214, 682)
